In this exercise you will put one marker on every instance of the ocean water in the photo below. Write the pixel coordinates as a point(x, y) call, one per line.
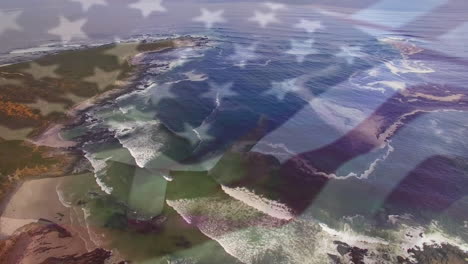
point(268, 144)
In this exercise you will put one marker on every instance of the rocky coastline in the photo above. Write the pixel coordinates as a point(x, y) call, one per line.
point(50, 240)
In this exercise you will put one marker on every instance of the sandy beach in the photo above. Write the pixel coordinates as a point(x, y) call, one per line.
point(33, 200)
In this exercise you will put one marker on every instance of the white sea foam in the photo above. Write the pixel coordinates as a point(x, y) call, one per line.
point(405, 236)
point(373, 72)
point(398, 67)
point(395, 85)
point(99, 166)
point(34, 50)
point(218, 99)
point(126, 109)
point(193, 76)
point(278, 150)
point(180, 57)
point(139, 139)
point(269, 207)
point(408, 236)
point(376, 79)
point(351, 237)
point(359, 175)
point(251, 240)
point(394, 219)
point(391, 76)
point(96, 239)
point(168, 177)
point(300, 240)
point(372, 166)
point(338, 116)
point(61, 197)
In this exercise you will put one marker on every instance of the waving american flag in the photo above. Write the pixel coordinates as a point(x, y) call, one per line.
point(265, 132)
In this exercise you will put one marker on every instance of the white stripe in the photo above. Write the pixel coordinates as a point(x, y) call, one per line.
point(395, 13)
point(454, 42)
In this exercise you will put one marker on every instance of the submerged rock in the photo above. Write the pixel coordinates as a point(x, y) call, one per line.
point(356, 254)
point(436, 254)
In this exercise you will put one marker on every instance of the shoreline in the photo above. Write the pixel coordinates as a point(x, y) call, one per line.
point(50, 136)
point(32, 203)
point(122, 87)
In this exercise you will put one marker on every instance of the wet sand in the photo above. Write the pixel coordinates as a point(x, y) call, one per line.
point(33, 200)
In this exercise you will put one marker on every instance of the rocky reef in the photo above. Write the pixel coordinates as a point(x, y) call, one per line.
point(48, 243)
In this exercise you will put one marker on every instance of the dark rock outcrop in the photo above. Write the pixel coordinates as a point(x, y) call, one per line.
point(436, 254)
point(45, 242)
point(356, 254)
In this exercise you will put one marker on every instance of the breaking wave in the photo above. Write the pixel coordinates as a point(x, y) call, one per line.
point(99, 166)
point(303, 239)
point(269, 207)
point(407, 66)
point(394, 75)
point(139, 139)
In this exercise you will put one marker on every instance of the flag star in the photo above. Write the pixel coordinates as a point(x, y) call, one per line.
point(222, 91)
point(14, 134)
point(162, 92)
point(8, 21)
point(123, 52)
point(349, 53)
point(47, 107)
point(263, 19)
point(87, 4)
point(147, 7)
point(67, 30)
point(203, 132)
point(41, 71)
point(7, 82)
point(243, 54)
point(75, 98)
point(190, 134)
point(309, 26)
point(301, 49)
point(196, 135)
point(275, 6)
point(195, 77)
point(210, 18)
point(280, 89)
point(103, 79)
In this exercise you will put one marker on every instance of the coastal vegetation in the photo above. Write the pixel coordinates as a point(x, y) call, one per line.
point(38, 94)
